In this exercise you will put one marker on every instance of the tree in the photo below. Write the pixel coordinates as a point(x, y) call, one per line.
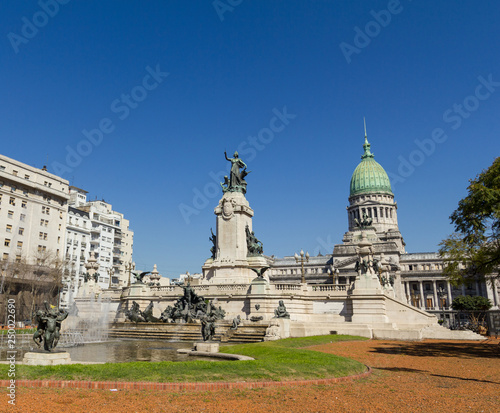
point(31, 283)
point(469, 303)
point(475, 307)
point(474, 250)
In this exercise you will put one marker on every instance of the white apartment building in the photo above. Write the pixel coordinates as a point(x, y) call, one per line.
point(33, 208)
point(103, 231)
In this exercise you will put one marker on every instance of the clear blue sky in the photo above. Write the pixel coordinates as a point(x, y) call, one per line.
point(230, 68)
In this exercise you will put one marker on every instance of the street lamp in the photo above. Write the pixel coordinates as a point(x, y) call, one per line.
point(441, 293)
point(110, 273)
point(302, 259)
point(129, 267)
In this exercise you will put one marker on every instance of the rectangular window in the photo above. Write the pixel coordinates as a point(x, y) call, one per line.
point(8, 228)
point(21, 231)
point(12, 201)
point(5, 256)
point(24, 204)
point(18, 258)
point(40, 235)
point(7, 242)
point(45, 236)
point(19, 244)
point(22, 217)
point(10, 214)
point(26, 177)
point(14, 173)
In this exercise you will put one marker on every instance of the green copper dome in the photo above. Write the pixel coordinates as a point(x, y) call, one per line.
point(369, 176)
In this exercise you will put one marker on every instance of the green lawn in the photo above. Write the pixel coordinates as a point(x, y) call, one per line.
point(274, 360)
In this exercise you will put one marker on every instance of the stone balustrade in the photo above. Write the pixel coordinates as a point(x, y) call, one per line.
point(167, 289)
point(287, 287)
point(330, 287)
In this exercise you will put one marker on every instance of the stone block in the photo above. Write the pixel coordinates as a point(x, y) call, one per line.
point(207, 347)
point(43, 358)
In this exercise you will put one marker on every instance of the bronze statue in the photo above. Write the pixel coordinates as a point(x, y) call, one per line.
point(281, 312)
point(236, 322)
point(260, 271)
point(139, 276)
point(49, 326)
point(254, 246)
point(207, 328)
point(213, 238)
point(191, 307)
point(364, 222)
point(236, 182)
point(147, 314)
point(134, 314)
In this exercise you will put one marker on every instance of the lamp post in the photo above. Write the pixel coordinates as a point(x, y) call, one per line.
point(110, 273)
point(129, 267)
point(441, 293)
point(303, 258)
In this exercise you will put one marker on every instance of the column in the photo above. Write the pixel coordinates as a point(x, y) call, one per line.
point(434, 290)
point(422, 298)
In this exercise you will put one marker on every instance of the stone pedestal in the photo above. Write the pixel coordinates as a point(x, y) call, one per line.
point(231, 264)
point(368, 308)
point(259, 286)
point(44, 358)
point(206, 347)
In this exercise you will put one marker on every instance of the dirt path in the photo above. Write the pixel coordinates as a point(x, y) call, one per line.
point(428, 376)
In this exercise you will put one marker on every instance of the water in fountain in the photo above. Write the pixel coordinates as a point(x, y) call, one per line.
point(87, 322)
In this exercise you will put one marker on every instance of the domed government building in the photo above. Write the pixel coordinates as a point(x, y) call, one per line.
point(417, 277)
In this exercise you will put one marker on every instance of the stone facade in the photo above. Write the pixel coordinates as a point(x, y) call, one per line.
point(33, 208)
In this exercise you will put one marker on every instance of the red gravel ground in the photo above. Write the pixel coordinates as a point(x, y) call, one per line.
point(427, 376)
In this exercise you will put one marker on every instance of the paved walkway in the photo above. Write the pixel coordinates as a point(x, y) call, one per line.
point(428, 376)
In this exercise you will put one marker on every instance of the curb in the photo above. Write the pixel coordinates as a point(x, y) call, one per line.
point(121, 385)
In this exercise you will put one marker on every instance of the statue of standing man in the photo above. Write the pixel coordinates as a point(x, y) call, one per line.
point(236, 182)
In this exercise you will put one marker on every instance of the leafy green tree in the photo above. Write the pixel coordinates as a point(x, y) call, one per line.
point(474, 250)
point(475, 307)
point(469, 303)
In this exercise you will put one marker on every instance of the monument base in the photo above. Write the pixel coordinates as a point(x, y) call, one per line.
point(206, 347)
point(45, 358)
